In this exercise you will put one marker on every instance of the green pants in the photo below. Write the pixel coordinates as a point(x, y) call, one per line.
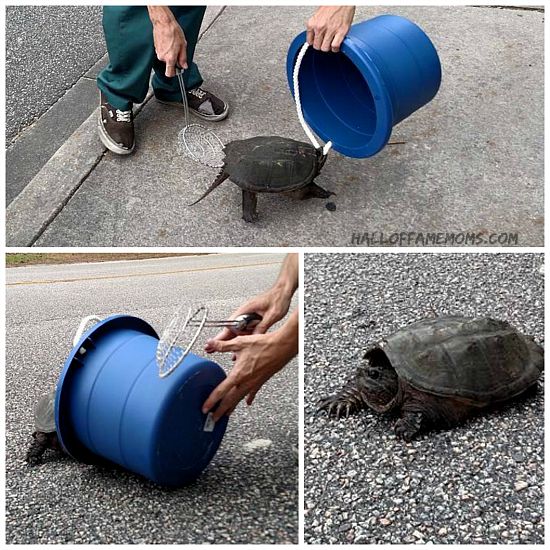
point(129, 37)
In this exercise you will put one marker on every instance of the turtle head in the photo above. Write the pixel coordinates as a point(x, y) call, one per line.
point(378, 381)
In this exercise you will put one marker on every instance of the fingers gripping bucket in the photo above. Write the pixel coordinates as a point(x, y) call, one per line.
point(111, 404)
point(387, 69)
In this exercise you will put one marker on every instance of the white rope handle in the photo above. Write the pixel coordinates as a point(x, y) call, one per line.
point(82, 326)
point(306, 128)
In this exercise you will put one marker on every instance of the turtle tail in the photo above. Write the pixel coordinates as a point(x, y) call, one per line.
point(222, 176)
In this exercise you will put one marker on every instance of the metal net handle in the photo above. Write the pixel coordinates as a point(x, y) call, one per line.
point(183, 96)
point(301, 118)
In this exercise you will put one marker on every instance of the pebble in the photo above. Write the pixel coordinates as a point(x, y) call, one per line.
point(521, 485)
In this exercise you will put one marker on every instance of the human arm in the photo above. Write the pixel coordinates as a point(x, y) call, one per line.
point(257, 358)
point(328, 26)
point(169, 39)
point(272, 305)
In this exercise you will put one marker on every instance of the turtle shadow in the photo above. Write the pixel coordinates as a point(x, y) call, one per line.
point(372, 423)
point(52, 456)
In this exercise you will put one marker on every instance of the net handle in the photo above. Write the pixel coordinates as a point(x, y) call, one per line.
point(306, 128)
point(183, 91)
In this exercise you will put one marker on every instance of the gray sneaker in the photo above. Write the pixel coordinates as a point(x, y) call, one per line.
point(116, 128)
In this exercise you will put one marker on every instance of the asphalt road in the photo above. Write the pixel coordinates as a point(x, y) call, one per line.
point(48, 48)
point(479, 483)
point(248, 493)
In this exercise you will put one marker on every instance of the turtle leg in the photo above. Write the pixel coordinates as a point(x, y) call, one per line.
point(37, 449)
point(250, 200)
point(348, 400)
point(409, 425)
point(313, 191)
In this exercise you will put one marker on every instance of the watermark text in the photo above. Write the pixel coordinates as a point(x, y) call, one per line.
point(414, 238)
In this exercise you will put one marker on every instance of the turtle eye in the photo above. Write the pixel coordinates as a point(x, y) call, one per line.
point(372, 373)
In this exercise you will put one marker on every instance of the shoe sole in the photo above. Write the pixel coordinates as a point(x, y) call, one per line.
point(109, 143)
point(211, 118)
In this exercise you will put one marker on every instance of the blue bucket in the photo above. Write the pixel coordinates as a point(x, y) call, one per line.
point(387, 69)
point(112, 405)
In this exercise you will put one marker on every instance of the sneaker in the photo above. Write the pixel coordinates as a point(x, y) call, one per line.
point(203, 104)
point(116, 128)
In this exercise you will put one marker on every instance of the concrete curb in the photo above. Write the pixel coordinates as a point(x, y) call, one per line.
point(48, 192)
point(37, 205)
point(43, 198)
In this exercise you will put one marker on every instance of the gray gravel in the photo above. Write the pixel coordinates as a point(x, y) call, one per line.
point(48, 48)
point(480, 483)
point(246, 495)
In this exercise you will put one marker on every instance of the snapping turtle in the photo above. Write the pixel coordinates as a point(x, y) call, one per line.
point(45, 436)
point(271, 164)
point(439, 371)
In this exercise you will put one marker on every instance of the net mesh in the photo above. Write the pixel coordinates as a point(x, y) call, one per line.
point(201, 145)
point(186, 325)
point(196, 141)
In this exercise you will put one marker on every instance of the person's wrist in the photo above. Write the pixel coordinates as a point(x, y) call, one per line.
point(161, 15)
point(284, 287)
point(286, 339)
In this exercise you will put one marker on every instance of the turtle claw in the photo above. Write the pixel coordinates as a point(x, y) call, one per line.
point(328, 405)
point(336, 407)
point(408, 427)
point(348, 409)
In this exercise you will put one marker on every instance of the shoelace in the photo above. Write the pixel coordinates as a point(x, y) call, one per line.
point(123, 116)
point(197, 92)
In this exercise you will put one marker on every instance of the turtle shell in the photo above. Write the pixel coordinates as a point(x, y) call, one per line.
point(483, 360)
point(271, 164)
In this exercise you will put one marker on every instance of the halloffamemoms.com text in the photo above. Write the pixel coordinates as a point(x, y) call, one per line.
point(413, 238)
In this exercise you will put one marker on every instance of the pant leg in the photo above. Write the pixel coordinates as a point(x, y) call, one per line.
point(129, 38)
point(190, 20)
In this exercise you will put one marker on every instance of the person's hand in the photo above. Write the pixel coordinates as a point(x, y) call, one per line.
point(328, 27)
point(257, 358)
point(271, 305)
point(169, 40)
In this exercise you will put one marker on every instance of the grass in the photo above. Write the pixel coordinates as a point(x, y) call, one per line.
point(16, 260)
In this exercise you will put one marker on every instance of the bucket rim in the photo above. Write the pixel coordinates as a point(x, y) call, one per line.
point(65, 433)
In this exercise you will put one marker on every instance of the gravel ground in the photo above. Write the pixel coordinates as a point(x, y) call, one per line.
point(48, 48)
point(480, 483)
point(248, 493)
